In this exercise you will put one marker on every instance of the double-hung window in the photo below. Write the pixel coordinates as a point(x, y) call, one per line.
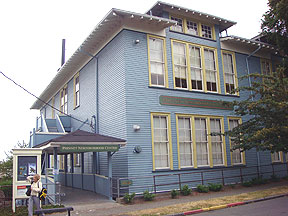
point(185, 141)
point(229, 72)
point(216, 141)
point(76, 91)
point(180, 65)
point(64, 100)
point(157, 61)
point(179, 26)
point(237, 157)
point(210, 69)
point(202, 147)
point(161, 141)
point(196, 68)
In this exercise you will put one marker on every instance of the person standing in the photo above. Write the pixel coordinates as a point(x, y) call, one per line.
point(36, 187)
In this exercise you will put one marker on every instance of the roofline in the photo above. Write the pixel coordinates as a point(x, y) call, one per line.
point(88, 39)
point(195, 11)
point(248, 41)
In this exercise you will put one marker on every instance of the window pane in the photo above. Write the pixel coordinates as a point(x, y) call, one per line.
point(180, 65)
point(211, 72)
point(201, 141)
point(192, 28)
point(157, 62)
point(206, 31)
point(179, 26)
point(229, 72)
point(216, 142)
point(195, 67)
point(236, 154)
point(161, 142)
point(185, 141)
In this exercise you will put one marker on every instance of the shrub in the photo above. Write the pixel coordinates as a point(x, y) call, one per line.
point(148, 196)
point(258, 181)
point(274, 178)
point(128, 198)
point(202, 189)
point(174, 193)
point(185, 190)
point(215, 187)
point(247, 184)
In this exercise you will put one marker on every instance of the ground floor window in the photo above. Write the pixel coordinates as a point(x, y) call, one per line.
point(276, 157)
point(161, 143)
point(237, 157)
point(200, 142)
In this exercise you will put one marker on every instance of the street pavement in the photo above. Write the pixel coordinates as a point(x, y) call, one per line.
point(274, 207)
point(91, 206)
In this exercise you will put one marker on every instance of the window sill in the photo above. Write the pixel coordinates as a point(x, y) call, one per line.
point(196, 92)
point(196, 36)
point(199, 168)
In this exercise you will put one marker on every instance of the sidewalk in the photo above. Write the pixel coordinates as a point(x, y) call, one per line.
point(113, 208)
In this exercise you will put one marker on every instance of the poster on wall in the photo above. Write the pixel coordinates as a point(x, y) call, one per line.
point(31, 168)
point(27, 166)
point(22, 171)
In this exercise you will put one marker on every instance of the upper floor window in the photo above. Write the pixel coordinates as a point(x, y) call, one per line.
point(179, 26)
point(180, 65)
point(196, 67)
point(207, 31)
point(203, 77)
point(237, 157)
point(210, 69)
point(161, 142)
point(76, 91)
point(192, 28)
point(229, 72)
point(266, 67)
point(64, 100)
point(157, 61)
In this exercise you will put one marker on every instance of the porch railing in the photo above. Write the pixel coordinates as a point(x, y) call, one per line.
point(225, 176)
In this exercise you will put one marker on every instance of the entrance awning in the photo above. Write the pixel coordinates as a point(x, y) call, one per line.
point(82, 141)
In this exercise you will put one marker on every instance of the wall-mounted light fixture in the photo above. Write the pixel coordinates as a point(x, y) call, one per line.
point(137, 41)
point(137, 149)
point(136, 127)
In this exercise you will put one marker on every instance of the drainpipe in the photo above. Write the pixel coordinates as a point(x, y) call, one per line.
point(251, 92)
point(96, 125)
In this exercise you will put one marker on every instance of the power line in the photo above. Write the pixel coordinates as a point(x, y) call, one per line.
point(84, 122)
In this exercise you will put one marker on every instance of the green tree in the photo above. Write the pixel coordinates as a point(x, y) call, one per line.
point(275, 24)
point(267, 106)
point(6, 166)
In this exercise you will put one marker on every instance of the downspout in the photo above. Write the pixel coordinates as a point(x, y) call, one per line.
point(251, 92)
point(96, 125)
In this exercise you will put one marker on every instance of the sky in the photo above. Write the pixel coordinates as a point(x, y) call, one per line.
point(31, 34)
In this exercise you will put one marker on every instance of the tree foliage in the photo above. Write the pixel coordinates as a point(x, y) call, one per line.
point(266, 109)
point(6, 166)
point(275, 24)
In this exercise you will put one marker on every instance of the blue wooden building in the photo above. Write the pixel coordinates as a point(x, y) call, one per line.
point(155, 80)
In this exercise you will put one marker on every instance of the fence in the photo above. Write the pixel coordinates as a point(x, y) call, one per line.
point(5, 195)
point(225, 176)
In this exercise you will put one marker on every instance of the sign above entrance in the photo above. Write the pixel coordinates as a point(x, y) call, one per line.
point(88, 148)
point(192, 102)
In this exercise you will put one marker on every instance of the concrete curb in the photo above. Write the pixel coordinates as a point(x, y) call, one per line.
point(228, 205)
